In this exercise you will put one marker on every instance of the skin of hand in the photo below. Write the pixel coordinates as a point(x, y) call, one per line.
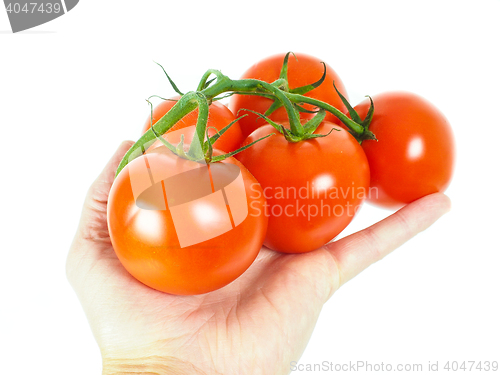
point(258, 324)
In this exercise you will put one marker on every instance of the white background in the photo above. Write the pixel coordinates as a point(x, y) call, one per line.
point(71, 90)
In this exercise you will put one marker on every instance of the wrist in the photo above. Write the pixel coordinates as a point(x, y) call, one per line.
point(144, 365)
point(150, 365)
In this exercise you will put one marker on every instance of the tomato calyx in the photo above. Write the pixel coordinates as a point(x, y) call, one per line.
point(306, 132)
point(365, 123)
point(174, 86)
point(282, 84)
point(195, 153)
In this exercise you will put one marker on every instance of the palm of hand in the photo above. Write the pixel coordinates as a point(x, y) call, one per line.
point(256, 325)
point(251, 326)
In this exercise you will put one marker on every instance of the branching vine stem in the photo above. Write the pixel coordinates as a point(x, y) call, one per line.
point(209, 90)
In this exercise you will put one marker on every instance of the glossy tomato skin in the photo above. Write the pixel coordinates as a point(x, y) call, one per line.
point(415, 152)
point(219, 116)
point(313, 188)
point(302, 71)
point(147, 243)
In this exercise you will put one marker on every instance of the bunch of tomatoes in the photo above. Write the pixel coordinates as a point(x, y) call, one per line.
point(286, 165)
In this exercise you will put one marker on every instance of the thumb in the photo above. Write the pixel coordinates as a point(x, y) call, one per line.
point(91, 241)
point(93, 221)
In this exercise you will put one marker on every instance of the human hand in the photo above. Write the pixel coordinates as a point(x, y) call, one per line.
point(258, 324)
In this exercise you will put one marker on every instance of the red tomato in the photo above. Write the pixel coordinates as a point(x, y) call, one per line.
point(415, 152)
point(313, 187)
point(302, 71)
point(219, 116)
point(184, 228)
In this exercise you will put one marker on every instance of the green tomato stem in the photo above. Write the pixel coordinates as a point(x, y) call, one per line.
point(196, 147)
point(183, 106)
point(353, 126)
point(206, 93)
